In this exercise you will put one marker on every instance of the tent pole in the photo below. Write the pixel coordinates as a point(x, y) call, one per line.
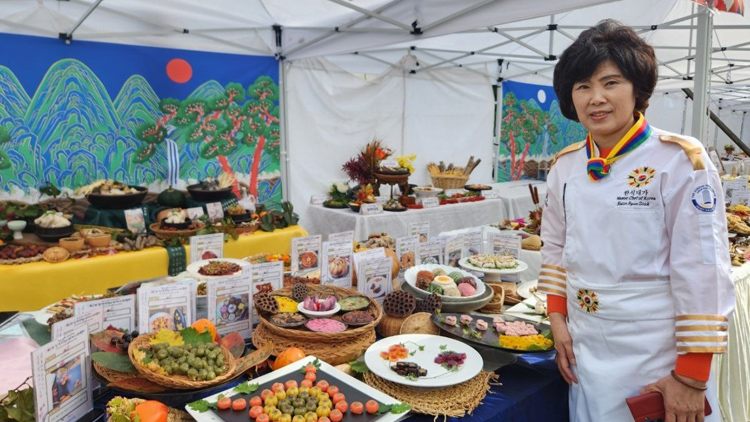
point(284, 158)
point(702, 72)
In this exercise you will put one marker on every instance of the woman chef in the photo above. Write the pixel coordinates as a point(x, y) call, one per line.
point(635, 260)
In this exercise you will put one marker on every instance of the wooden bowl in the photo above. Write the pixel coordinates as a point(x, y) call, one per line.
point(72, 244)
point(99, 240)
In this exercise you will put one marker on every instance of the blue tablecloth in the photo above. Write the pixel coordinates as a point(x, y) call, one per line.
point(532, 390)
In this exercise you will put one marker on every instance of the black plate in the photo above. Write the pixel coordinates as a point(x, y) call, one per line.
point(355, 324)
point(352, 394)
point(240, 218)
point(335, 206)
point(54, 234)
point(395, 210)
point(118, 202)
point(353, 207)
point(477, 189)
point(489, 337)
point(295, 325)
point(209, 195)
point(178, 226)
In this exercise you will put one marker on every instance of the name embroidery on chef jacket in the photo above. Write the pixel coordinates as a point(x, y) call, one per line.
point(636, 195)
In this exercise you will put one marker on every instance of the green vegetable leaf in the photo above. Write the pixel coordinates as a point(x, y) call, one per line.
point(359, 367)
point(114, 361)
point(412, 353)
point(443, 347)
point(246, 388)
point(202, 405)
point(547, 334)
point(412, 377)
point(394, 408)
point(421, 348)
point(315, 363)
point(190, 336)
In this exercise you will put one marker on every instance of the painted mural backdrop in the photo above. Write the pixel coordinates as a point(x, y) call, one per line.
point(532, 131)
point(72, 114)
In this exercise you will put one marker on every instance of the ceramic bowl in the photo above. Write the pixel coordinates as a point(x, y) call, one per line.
point(99, 240)
point(3, 223)
point(313, 314)
point(426, 191)
point(16, 225)
point(72, 244)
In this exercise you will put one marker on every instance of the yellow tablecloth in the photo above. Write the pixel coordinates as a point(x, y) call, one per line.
point(32, 286)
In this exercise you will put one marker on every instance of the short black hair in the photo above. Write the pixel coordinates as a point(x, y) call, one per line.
point(608, 40)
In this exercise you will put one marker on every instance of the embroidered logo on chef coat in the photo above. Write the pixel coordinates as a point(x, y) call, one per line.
point(587, 300)
point(704, 198)
point(641, 177)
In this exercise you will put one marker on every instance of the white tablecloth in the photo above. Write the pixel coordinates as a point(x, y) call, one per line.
point(517, 198)
point(732, 370)
point(325, 221)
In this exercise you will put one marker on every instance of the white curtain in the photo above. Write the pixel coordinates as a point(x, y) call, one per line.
point(331, 114)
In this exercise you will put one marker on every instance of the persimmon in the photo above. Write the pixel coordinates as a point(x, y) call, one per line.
point(224, 403)
point(202, 325)
point(357, 408)
point(152, 411)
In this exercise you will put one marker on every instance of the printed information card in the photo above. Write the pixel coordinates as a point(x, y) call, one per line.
point(91, 320)
point(407, 251)
point(371, 209)
point(230, 301)
point(337, 263)
point(305, 254)
point(118, 312)
point(730, 186)
point(505, 243)
point(454, 249)
point(374, 278)
point(135, 220)
point(207, 246)
point(431, 252)
point(215, 211)
point(62, 379)
point(319, 199)
point(420, 229)
point(195, 213)
point(348, 236)
point(266, 278)
point(473, 243)
point(166, 306)
point(431, 202)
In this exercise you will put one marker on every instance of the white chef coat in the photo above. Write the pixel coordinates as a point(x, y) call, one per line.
point(642, 258)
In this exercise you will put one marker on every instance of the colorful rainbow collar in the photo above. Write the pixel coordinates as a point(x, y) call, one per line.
point(598, 167)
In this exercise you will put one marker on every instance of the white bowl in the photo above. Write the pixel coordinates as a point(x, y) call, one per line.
point(410, 276)
point(314, 314)
point(426, 191)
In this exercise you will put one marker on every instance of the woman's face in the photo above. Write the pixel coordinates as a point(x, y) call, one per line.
point(605, 103)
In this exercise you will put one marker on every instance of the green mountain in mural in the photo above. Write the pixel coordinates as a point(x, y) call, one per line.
point(208, 89)
point(14, 101)
point(136, 102)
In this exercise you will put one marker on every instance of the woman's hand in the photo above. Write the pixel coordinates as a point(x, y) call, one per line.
point(682, 403)
point(564, 346)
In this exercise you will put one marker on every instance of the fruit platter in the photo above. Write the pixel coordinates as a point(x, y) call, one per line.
point(423, 360)
point(213, 189)
point(306, 390)
point(111, 194)
point(501, 332)
point(11, 254)
point(493, 266)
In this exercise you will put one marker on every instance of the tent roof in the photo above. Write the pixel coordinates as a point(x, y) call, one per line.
point(367, 36)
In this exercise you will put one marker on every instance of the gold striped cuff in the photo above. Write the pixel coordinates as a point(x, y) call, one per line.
point(552, 280)
point(701, 349)
point(700, 317)
point(551, 289)
point(554, 268)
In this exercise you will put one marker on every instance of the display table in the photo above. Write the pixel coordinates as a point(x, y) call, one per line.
point(325, 221)
point(517, 198)
point(32, 286)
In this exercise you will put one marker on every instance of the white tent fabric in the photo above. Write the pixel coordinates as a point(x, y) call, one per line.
point(445, 115)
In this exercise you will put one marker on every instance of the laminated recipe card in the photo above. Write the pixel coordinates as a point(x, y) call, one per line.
point(166, 306)
point(230, 302)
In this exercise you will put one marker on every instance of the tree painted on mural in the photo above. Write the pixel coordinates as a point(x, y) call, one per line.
point(238, 118)
point(5, 162)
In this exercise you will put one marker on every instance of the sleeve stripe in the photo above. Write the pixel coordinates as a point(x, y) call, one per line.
point(554, 268)
point(701, 349)
point(701, 328)
point(701, 339)
point(552, 283)
point(698, 317)
point(552, 290)
point(690, 323)
point(544, 274)
point(684, 334)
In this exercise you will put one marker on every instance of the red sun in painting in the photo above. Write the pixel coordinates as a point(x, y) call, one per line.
point(179, 70)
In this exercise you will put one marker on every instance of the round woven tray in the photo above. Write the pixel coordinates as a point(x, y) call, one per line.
point(111, 375)
point(334, 351)
point(496, 304)
point(419, 323)
point(390, 325)
point(173, 415)
point(449, 182)
point(168, 234)
point(300, 336)
point(180, 382)
point(456, 400)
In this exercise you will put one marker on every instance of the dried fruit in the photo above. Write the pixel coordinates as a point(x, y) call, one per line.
point(399, 304)
point(300, 291)
point(424, 278)
point(265, 303)
point(431, 304)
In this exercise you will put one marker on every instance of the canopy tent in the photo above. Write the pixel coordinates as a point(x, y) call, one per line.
point(482, 40)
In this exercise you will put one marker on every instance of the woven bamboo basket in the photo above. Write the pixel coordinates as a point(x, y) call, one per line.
point(173, 415)
point(179, 382)
point(300, 336)
point(449, 182)
point(495, 306)
point(390, 326)
point(168, 234)
point(333, 351)
point(111, 375)
point(419, 323)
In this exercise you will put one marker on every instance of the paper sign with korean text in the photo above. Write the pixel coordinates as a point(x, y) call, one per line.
point(420, 229)
point(207, 246)
point(91, 320)
point(374, 278)
point(337, 264)
point(230, 303)
point(118, 312)
point(407, 251)
point(306, 254)
point(266, 277)
point(166, 306)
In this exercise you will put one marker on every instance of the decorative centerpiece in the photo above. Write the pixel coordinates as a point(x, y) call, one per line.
point(176, 223)
point(53, 226)
point(374, 166)
point(450, 176)
point(338, 192)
